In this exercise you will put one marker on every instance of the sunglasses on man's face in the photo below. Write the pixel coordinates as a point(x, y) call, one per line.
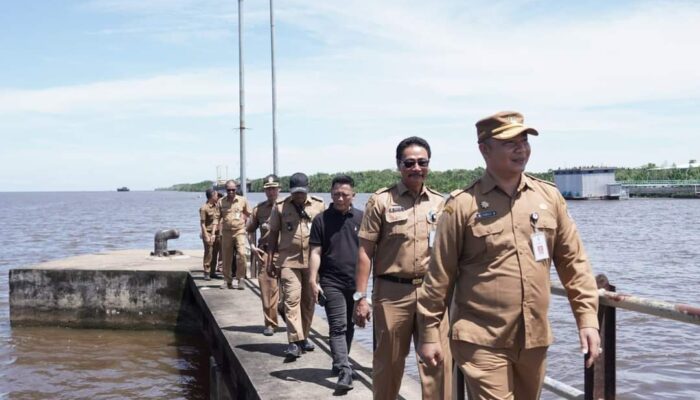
point(230, 190)
point(411, 162)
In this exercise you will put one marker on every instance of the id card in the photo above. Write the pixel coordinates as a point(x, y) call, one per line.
point(539, 246)
point(431, 238)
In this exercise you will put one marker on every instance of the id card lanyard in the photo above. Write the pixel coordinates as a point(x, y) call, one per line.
point(539, 240)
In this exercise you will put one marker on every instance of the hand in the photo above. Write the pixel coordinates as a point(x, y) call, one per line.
point(314, 289)
point(590, 344)
point(272, 271)
point(362, 313)
point(259, 254)
point(210, 239)
point(431, 353)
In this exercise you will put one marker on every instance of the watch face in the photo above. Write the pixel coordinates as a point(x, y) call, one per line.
point(357, 296)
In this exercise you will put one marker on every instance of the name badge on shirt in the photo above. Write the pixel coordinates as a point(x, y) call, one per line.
point(308, 225)
point(431, 238)
point(539, 246)
point(237, 215)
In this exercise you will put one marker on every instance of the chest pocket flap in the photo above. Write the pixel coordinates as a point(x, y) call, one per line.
point(480, 229)
point(396, 217)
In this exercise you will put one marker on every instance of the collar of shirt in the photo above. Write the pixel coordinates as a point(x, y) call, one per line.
point(348, 214)
point(401, 187)
point(488, 183)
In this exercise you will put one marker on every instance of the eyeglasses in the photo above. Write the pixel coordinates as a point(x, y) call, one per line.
point(410, 162)
point(230, 190)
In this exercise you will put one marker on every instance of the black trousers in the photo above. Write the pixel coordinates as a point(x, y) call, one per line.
point(339, 308)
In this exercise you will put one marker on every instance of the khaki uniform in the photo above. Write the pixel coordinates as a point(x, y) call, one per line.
point(400, 225)
point(483, 251)
point(233, 234)
point(269, 287)
point(209, 215)
point(291, 233)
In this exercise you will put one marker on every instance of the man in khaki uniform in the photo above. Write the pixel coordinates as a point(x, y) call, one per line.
point(290, 226)
point(269, 289)
point(234, 211)
point(396, 232)
point(494, 246)
point(208, 222)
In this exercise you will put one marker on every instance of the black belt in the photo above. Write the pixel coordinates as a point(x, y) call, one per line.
point(417, 281)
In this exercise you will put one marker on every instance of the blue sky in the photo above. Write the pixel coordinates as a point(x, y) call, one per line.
point(104, 93)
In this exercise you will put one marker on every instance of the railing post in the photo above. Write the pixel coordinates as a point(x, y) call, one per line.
point(599, 380)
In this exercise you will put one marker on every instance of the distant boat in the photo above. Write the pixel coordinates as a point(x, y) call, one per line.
point(123, 189)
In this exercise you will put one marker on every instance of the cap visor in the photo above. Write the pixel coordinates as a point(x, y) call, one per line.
point(299, 189)
point(511, 133)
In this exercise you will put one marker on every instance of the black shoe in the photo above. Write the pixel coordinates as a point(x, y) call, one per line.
point(344, 380)
point(335, 371)
point(293, 351)
point(306, 345)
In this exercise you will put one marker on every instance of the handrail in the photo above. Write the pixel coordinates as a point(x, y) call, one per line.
point(663, 309)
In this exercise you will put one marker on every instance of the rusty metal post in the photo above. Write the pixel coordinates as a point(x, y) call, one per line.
point(599, 380)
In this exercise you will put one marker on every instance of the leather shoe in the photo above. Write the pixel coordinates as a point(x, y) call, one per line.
point(293, 351)
point(306, 345)
point(344, 380)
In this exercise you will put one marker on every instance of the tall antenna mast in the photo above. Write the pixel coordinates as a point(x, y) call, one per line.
point(275, 169)
point(244, 180)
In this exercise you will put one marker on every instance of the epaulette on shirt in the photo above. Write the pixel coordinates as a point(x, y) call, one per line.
point(384, 189)
point(262, 203)
point(317, 198)
point(534, 178)
point(433, 191)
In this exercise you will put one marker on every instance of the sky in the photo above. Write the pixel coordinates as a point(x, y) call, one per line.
point(98, 94)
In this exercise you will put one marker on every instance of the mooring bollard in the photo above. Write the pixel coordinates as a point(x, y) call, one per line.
point(161, 243)
point(599, 380)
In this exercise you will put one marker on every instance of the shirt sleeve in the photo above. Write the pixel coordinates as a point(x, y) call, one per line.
point(436, 291)
point(371, 225)
point(316, 237)
point(252, 221)
point(574, 270)
point(275, 222)
point(202, 215)
point(246, 207)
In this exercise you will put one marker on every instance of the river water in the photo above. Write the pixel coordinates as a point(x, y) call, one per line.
point(647, 247)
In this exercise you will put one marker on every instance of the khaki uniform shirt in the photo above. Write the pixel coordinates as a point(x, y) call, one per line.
point(209, 215)
point(292, 232)
point(259, 219)
point(232, 213)
point(483, 249)
point(400, 225)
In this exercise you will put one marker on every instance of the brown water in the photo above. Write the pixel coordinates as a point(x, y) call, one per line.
point(647, 247)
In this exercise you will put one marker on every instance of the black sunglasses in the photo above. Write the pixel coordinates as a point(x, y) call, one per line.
point(410, 163)
point(230, 190)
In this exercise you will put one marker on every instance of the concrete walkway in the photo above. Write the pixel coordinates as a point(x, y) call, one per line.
point(238, 315)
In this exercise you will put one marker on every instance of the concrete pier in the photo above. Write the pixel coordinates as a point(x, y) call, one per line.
point(129, 290)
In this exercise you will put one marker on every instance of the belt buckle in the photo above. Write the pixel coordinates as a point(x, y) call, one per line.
point(416, 281)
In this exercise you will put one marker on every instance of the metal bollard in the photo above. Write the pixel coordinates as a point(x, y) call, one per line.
point(160, 247)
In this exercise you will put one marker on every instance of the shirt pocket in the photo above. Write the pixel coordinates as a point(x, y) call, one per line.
point(548, 225)
point(396, 223)
point(488, 237)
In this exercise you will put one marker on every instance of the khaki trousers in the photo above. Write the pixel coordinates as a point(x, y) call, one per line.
point(211, 255)
point(270, 295)
point(231, 242)
point(395, 325)
point(298, 302)
point(502, 374)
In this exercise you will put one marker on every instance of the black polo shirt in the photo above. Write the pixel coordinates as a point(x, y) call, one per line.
point(336, 233)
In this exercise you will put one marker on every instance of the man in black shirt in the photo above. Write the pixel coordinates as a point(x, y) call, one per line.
point(334, 246)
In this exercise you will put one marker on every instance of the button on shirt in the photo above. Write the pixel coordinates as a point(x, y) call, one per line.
point(336, 234)
point(291, 231)
point(208, 215)
point(399, 223)
point(232, 213)
point(484, 244)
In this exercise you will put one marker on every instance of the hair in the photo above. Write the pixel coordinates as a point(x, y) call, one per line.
point(231, 181)
point(343, 180)
point(411, 141)
point(210, 192)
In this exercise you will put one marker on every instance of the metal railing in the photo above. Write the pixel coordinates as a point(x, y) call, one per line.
point(661, 182)
point(600, 379)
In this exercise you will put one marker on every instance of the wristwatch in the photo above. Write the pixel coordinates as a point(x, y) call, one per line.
point(357, 296)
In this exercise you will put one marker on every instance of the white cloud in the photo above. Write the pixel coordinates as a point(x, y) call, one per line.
point(602, 87)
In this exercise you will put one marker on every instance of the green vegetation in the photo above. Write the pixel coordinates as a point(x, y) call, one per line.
point(443, 181)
